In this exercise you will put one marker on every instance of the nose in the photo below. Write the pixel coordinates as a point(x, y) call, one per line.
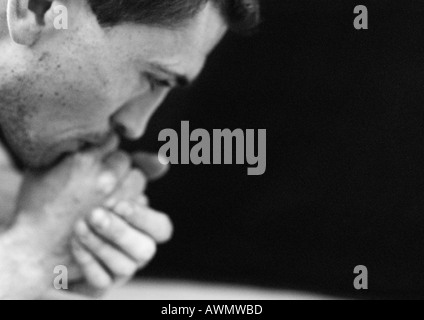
point(131, 120)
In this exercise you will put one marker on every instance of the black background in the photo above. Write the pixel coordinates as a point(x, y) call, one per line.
point(345, 179)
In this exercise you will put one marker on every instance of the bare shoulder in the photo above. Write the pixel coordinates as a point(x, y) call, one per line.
point(10, 181)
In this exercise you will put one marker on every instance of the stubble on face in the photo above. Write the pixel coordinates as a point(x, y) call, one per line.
point(64, 97)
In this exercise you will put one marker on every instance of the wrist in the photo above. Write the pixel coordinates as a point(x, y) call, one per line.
point(45, 244)
point(22, 265)
point(37, 248)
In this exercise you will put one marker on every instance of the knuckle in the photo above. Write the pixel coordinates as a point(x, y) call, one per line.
point(106, 182)
point(125, 209)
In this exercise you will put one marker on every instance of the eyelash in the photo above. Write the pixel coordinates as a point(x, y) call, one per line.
point(156, 83)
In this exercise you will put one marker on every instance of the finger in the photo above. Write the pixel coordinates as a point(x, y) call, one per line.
point(116, 167)
point(151, 166)
point(135, 244)
point(154, 223)
point(94, 273)
point(107, 182)
point(142, 200)
point(134, 185)
point(83, 288)
point(119, 265)
point(119, 163)
point(131, 187)
point(111, 144)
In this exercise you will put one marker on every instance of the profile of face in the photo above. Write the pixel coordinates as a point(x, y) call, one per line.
point(62, 90)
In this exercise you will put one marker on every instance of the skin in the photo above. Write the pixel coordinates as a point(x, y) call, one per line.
point(63, 92)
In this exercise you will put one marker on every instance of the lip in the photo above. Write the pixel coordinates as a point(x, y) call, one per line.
point(67, 147)
point(76, 145)
point(98, 141)
point(54, 153)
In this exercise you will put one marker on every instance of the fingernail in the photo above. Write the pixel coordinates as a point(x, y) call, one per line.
point(124, 209)
point(100, 219)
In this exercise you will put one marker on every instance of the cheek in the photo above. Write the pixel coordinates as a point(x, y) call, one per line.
point(71, 111)
point(70, 101)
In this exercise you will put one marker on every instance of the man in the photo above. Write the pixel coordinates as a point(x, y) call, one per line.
point(66, 96)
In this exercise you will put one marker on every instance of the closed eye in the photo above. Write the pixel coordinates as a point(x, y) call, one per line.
point(156, 83)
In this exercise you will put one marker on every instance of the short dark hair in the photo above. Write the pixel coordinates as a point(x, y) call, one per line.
point(241, 15)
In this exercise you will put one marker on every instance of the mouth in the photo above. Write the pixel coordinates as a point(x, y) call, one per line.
point(66, 148)
point(57, 153)
point(99, 140)
point(96, 141)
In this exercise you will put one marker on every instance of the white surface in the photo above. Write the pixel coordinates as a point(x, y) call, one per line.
point(172, 290)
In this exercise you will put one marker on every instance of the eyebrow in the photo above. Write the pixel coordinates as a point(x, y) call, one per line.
point(181, 80)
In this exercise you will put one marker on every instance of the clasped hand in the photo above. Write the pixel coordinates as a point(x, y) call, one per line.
point(91, 212)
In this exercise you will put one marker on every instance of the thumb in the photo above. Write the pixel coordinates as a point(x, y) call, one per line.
point(150, 165)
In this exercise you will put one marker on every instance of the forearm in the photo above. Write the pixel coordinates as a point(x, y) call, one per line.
point(24, 271)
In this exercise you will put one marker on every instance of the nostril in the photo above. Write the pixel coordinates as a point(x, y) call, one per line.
point(127, 132)
point(120, 129)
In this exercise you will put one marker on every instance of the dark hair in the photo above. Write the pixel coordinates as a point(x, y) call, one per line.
point(241, 15)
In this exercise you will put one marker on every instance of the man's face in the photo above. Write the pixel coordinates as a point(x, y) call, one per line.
point(74, 87)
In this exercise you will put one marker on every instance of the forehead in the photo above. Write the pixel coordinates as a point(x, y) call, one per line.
point(184, 49)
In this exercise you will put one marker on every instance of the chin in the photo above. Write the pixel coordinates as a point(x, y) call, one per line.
point(44, 161)
point(35, 160)
point(39, 157)
point(29, 154)
point(54, 154)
